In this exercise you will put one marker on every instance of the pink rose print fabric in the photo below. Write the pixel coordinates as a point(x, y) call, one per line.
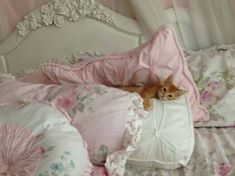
point(213, 73)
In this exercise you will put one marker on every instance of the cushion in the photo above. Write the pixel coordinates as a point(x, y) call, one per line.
point(37, 138)
point(148, 64)
point(109, 119)
point(168, 137)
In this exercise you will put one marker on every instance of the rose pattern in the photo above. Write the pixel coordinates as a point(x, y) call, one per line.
point(78, 98)
point(213, 73)
point(224, 169)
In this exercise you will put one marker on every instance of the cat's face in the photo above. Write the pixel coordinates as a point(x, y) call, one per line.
point(168, 91)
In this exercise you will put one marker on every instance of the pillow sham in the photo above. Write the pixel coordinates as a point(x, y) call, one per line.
point(32, 133)
point(148, 64)
point(110, 120)
point(168, 136)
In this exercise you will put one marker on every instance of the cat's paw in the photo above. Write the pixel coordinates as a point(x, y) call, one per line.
point(148, 106)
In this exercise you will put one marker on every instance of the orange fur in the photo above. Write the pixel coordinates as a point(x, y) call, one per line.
point(164, 91)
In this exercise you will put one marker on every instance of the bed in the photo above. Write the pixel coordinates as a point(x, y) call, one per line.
point(51, 39)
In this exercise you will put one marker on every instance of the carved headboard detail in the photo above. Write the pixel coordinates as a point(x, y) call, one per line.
point(56, 12)
point(61, 28)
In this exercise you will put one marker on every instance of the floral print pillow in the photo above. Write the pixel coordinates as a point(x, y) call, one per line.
point(214, 73)
point(37, 138)
point(109, 119)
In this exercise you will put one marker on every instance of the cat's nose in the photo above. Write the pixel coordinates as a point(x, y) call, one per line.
point(162, 97)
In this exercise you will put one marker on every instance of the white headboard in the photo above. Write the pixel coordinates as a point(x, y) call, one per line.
point(91, 27)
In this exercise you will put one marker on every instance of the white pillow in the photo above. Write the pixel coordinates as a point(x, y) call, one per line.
point(40, 141)
point(34, 116)
point(168, 137)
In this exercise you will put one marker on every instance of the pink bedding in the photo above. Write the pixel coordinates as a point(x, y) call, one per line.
point(92, 107)
point(148, 64)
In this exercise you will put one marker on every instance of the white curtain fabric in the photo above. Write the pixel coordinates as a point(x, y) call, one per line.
point(199, 23)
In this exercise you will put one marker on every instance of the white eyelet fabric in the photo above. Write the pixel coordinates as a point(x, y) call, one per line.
point(168, 137)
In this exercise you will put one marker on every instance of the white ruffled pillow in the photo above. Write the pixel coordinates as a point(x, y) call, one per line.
point(168, 137)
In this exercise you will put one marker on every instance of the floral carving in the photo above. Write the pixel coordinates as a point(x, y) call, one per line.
point(58, 11)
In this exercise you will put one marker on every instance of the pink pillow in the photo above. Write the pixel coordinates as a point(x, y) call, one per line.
point(110, 120)
point(148, 64)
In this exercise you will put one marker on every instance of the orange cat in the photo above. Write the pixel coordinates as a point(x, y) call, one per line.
point(165, 91)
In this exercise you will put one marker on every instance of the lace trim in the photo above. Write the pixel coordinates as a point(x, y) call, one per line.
point(75, 58)
point(115, 163)
point(66, 60)
point(58, 11)
point(27, 70)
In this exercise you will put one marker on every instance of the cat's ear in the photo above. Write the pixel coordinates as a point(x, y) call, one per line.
point(169, 79)
point(181, 92)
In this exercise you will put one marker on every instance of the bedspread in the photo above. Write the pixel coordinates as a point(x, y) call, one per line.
point(213, 71)
point(214, 155)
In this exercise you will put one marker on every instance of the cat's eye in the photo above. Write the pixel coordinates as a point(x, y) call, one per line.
point(164, 89)
point(170, 96)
